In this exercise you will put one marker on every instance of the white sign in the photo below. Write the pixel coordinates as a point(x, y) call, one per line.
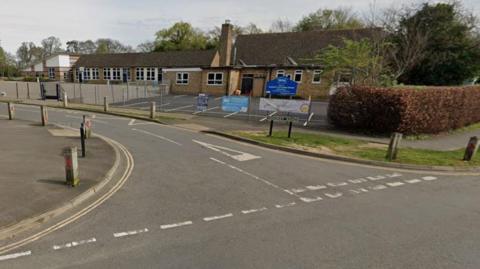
point(282, 105)
point(234, 154)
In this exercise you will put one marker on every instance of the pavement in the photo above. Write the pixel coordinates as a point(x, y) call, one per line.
point(32, 180)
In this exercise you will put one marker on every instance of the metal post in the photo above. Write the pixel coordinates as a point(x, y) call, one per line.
point(128, 92)
point(105, 104)
point(145, 89)
point(16, 87)
point(123, 95)
point(82, 139)
point(152, 110)
point(270, 132)
point(290, 129)
point(28, 90)
point(113, 93)
point(136, 82)
point(71, 166)
point(393, 146)
point(44, 114)
point(74, 92)
point(11, 111)
point(96, 93)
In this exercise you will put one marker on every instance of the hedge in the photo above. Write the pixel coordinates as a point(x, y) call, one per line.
point(419, 110)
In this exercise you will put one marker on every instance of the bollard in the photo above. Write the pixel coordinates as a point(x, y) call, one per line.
point(471, 149)
point(82, 139)
point(87, 124)
point(271, 128)
point(11, 111)
point(28, 90)
point(105, 104)
point(65, 99)
point(393, 146)
point(290, 130)
point(16, 87)
point(71, 166)
point(44, 114)
point(152, 110)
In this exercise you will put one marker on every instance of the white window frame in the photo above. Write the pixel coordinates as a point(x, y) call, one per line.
point(86, 74)
point(95, 74)
point(319, 73)
point(150, 74)
point(51, 73)
point(139, 73)
point(215, 81)
point(298, 72)
point(180, 78)
point(107, 74)
point(281, 73)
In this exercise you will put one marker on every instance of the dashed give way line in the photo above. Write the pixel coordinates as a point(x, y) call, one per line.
point(232, 153)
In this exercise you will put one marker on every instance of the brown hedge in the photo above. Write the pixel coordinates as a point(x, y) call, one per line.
point(420, 110)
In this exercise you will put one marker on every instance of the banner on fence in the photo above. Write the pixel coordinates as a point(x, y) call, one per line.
point(282, 86)
point(281, 105)
point(235, 103)
point(202, 102)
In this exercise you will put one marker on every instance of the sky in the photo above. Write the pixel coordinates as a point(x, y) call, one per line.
point(135, 21)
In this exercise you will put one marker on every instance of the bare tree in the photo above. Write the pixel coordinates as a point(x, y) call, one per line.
point(281, 26)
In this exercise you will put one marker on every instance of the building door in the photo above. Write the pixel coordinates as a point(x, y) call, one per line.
point(160, 76)
point(247, 84)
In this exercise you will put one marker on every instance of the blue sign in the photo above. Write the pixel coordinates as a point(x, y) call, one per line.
point(282, 86)
point(235, 103)
point(202, 102)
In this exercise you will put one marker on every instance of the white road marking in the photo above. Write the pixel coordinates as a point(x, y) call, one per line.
point(15, 255)
point(175, 225)
point(75, 244)
point(81, 118)
point(395, 184)
point(376, 178)
point(298, 190)
point(317, 187)
point(357, 181)
point(355, 192)
point(218, 217)
point(394, 175)
point(198, 112)
point(158, 136)
point(310, 200)
point(134, 104)
point(129, 233)
point(378, 187)
point(413, 181)
point(339, 184)
point(286, 205)
point(132, 123)
point(238, 155)
point(231, 114)
point(179, 96)
point(178, 108)
point(218, 161)
point(429, 178)
point(334, 195)
point(250, 211)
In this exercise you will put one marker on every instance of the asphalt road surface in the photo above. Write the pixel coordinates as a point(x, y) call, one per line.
point(198, 201)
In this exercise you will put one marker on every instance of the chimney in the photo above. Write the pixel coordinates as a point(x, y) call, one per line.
point(226, 44)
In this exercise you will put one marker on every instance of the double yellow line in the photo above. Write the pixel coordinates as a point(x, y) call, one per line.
point(129, 168)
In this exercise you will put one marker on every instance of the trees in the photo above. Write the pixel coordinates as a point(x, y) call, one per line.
point(107, 45)
point(147, 46)
point(443, 43)
point(181, 36)
point(28, 53)
point(281, 26)
point(329, 19)
point(51, 45)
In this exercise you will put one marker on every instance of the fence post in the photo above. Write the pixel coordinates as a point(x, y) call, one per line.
point(71, 166)
point(44, 114)
point(16, 87)
point(152, 110)
point(105, 104)
point(290, 129)
point(65, 99)
point(11, 111)
point(95, 88)
point(270, 132)
point(393, 146)
point(28, 90)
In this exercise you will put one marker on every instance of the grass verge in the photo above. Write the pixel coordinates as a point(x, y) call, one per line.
point(361, 149)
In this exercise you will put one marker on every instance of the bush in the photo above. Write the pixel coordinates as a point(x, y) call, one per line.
point(419, 110)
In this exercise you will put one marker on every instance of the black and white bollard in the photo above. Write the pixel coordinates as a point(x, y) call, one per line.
point(71, 166)
point(152, 110)
point(11, 111)
point(392, 152)
point(44, 114)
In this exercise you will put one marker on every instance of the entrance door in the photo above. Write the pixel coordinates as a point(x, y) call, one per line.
point(247, 84)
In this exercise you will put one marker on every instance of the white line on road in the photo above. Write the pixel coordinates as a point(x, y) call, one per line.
point(376, 178)
point(15, 255)
point(378, 187)
point(237, 155)
point(158, 136)
point(339, 184)
point(395, 184)
point(134, 104)
point(357, 181)
point(231, 114)
point(132, 123)
point(334, 195)
point(394, 175)
point(250, 211)
point(429, 178)
point(175, 225)
point(129, 233)
point(178, 108)
point(413, 181)
point(317, 187)
point(218, 217)
point(286, 205)
point(201, 111)
point(299, 190)
point(311, 200)
point(75, 244)
point(218, 161)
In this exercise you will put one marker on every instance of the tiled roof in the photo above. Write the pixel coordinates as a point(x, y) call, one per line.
point(198, 58)
point(287, 49)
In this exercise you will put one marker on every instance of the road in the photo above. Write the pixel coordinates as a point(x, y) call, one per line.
point(198, 201)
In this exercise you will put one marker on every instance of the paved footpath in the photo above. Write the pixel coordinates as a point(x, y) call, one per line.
point(32, 178)
point(199, 201)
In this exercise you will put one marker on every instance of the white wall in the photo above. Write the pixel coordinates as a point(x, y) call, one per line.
point(59, 61)
point(38, 67)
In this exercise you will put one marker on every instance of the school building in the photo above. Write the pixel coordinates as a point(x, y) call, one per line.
point(56, 67)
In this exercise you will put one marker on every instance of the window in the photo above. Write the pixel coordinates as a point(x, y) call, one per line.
point(160, 75)
point(116, 74)
point(215, 79)
point(65, 75)
point(51, 73)
point(150, 73)
point(106, 74)
point(139, 72)
point(317, 76)
point(86, 74)
point(95, 75)
point(280, 73)
point(298, 76)
point(126, 73)
point(76, 74)
point(182, 78)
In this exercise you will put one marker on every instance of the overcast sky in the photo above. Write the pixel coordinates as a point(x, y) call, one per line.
point(135, 21)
